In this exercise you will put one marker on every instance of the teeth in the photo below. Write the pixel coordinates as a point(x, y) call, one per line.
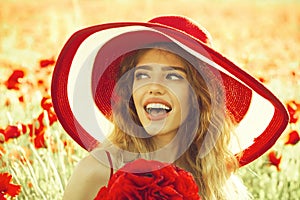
point(157, 106)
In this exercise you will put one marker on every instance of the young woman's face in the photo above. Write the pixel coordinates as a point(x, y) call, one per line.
point(161, 93)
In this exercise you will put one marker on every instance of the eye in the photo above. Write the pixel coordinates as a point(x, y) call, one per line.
point(141, 75)
point(174, 76)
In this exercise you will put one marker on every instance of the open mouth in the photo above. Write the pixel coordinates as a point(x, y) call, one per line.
point(157, 111)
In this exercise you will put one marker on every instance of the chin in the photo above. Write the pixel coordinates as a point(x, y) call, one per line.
point(153, 131)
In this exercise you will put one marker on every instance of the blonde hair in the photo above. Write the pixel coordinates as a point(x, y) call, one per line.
point(207, 130)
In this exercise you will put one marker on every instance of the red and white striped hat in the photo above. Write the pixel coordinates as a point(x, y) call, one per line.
point(82, 90)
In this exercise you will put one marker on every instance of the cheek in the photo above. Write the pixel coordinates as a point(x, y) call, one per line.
point(184, 101)
point(137, 95)
point(137, 91)
point(135, 98)
point(182, 93)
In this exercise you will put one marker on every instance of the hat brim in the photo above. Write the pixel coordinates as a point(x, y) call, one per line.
point(260, 124)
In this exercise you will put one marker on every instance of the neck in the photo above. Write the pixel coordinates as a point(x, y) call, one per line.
point(167, 148)
point(161, 141)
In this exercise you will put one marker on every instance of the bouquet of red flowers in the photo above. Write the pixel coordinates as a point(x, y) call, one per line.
point(150, 180)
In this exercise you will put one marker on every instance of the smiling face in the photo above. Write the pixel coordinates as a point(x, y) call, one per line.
point(161, 93)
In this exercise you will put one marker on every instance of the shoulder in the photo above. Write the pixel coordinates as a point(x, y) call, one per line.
point(92, 168)
point(88, 177)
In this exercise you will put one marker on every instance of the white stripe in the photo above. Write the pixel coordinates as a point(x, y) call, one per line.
point(256, 120)
point(79, 83)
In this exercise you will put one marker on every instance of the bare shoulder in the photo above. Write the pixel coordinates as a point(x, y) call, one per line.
point(88, 177)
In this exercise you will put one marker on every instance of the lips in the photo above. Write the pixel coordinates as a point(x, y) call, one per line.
point(157, 109)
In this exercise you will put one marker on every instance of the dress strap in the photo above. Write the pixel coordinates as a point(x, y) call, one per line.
point(110, 163)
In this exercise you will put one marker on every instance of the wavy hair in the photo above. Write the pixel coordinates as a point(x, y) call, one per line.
point(206, 132)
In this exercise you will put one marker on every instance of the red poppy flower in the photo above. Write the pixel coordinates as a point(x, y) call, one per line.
point(11, 131)
point(293, 108)
point(261, 79)
point(40, 121)
point(47, 105)
point(21, 99)
point(274, 159)
point(47, 62)
point(47, 118)
point(52, 117)
point(7, 188)
point(293, 138)
point(23, 127)
point(41, 82)
point(39, 141)
point(37, 135)
point(142, 179)
point(37, 132)
point(293, 118)
point(13, 81)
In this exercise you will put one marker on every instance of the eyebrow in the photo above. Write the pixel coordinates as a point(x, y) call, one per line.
point(165, 68)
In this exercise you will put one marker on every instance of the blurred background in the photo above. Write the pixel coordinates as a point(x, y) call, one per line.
point(262, 37)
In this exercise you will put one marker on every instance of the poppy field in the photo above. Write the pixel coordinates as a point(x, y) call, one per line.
point(37, 157)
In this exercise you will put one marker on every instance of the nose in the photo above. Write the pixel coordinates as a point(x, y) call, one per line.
point(156, 89)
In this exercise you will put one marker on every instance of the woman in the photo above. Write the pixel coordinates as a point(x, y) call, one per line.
point(171, 104)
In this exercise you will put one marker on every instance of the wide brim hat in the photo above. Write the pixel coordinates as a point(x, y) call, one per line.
point(85, 76)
